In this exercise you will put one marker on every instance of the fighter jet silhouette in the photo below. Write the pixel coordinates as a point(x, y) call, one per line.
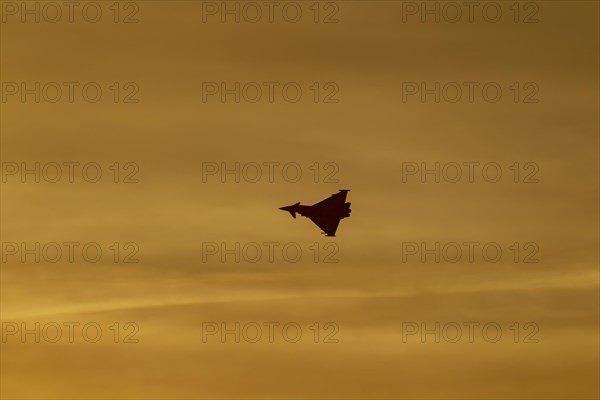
point(325, 214)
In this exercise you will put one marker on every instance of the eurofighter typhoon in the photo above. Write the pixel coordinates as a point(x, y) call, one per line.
point(325, 214)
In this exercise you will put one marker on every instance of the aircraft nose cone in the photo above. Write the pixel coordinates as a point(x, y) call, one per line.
point(291, 209)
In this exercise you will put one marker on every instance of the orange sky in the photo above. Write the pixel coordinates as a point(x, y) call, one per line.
point(367, 135)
